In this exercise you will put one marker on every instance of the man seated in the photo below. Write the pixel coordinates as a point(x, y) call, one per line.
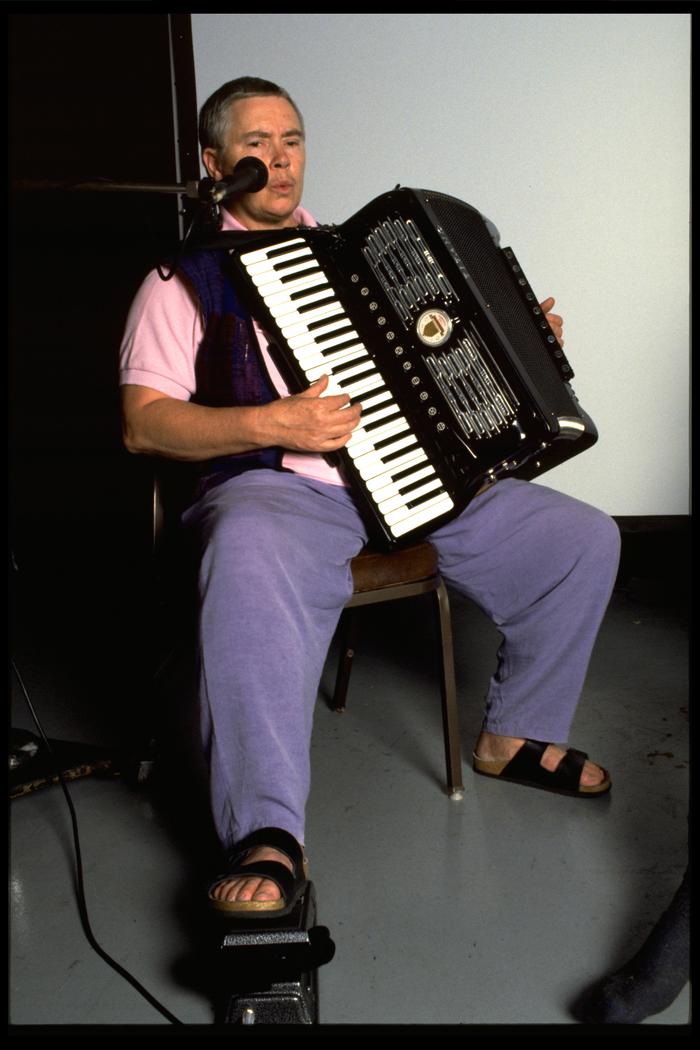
point(277, 527)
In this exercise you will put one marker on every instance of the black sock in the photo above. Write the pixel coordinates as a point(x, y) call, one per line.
point(653, 978)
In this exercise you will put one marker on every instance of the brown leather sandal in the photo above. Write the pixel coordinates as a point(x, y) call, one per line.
point(525, 768)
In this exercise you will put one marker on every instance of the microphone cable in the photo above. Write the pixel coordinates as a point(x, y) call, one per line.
point(249, 175)
point(80, 879)
point(209, 220)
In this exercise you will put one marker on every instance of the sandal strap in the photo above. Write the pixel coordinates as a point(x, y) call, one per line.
point(275, 838)
point(570, 769)
point(526, 764)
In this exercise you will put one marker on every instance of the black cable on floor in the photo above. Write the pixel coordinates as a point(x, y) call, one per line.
point(82, 904)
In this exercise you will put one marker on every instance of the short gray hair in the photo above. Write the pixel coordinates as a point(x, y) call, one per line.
point(215, 114)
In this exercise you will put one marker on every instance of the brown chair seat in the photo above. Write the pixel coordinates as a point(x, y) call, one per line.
point(372, 570)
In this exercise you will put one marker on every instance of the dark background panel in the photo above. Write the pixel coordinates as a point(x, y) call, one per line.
point(90, 99)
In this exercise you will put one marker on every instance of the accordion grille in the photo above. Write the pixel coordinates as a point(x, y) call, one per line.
point(483, 262)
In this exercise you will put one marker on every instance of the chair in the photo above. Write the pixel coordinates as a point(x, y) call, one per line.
point(385, 577)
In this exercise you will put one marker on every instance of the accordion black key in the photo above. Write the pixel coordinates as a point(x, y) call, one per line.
point(412, 310)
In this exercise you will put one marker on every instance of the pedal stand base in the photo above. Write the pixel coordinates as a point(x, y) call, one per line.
point(273, 965)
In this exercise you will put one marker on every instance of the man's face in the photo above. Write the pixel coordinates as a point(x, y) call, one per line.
point(267, 127)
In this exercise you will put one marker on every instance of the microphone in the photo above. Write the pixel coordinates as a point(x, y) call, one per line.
point(248, 176)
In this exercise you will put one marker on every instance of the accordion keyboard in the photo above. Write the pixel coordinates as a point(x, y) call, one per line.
point(389, 457)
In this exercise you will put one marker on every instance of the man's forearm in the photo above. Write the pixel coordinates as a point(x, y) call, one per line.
point(186, 431)
point(164, 426)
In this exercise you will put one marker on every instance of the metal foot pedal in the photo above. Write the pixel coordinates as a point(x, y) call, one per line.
point(273, 966)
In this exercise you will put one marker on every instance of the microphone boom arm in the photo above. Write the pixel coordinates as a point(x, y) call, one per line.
point(248, 176)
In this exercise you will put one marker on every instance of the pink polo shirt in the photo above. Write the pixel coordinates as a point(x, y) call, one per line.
point(162, 336)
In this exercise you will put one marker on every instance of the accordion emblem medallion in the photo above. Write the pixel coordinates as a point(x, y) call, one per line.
point(434, 327)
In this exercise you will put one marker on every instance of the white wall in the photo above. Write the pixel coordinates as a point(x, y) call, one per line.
point(571, 132)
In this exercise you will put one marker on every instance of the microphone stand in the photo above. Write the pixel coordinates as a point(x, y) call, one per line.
point(206, 190)
point(248, 176)
point(192, 189)
point(207, 217)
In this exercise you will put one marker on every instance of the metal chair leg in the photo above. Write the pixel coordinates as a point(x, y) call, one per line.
point(347, 654)
point(450, 714)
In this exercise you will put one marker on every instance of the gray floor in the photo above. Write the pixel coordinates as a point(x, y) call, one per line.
point(496, 910)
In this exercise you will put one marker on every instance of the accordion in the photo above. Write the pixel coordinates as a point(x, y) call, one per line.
point(412, 310)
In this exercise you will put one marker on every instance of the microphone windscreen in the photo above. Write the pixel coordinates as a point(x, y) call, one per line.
point(257, 169)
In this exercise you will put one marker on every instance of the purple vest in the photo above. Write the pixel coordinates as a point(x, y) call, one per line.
point(228, 369)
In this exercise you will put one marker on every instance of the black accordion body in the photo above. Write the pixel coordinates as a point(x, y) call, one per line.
point(411, 309)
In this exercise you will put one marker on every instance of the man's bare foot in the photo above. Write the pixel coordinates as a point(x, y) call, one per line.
point(254, 888)
point(491, 747)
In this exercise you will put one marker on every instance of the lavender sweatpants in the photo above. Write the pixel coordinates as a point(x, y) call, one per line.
point(275, 577)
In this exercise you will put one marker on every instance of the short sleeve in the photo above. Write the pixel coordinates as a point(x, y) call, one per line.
point(162, 334)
